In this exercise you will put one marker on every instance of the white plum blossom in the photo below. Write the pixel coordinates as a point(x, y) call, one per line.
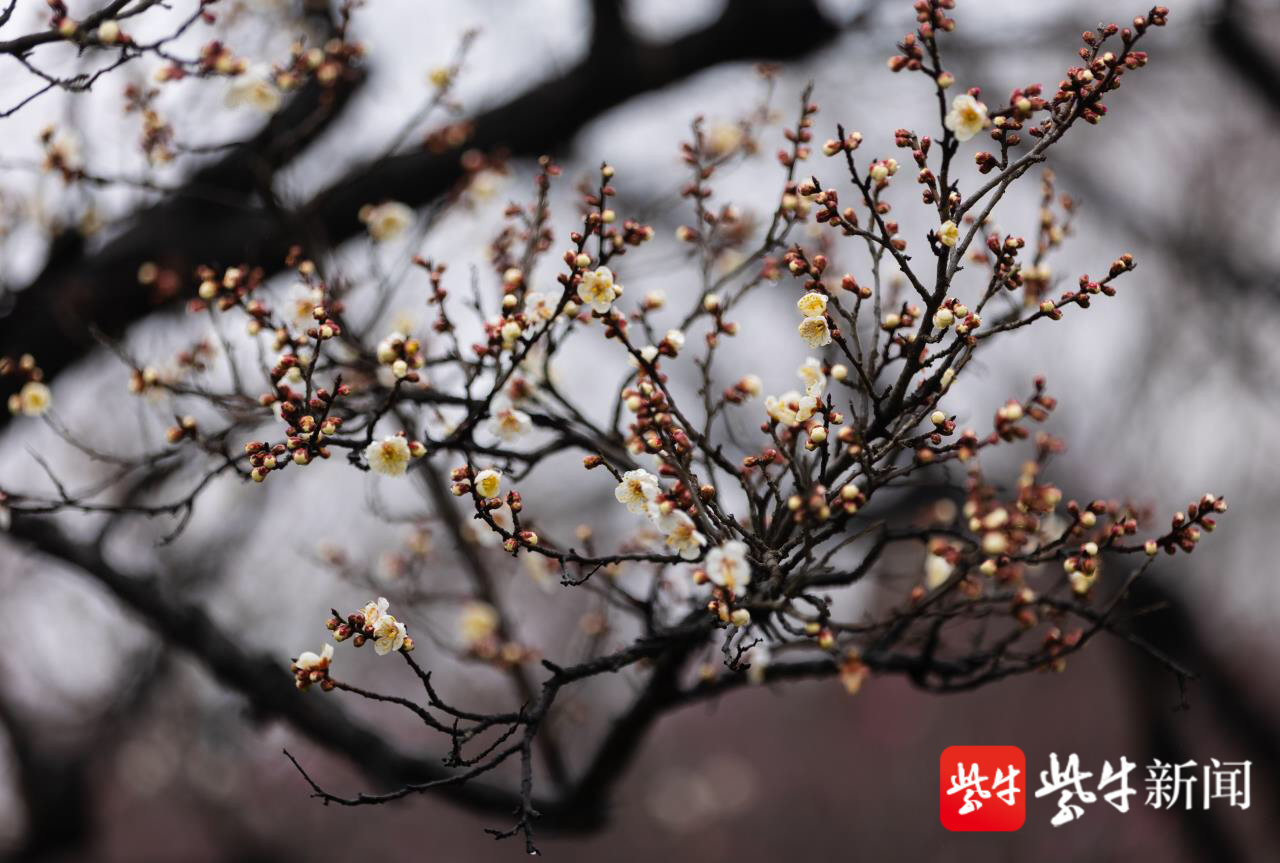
point(791, 408)
point(311, 668)
point(387, 220)
point(815, 382)
point(373, 611)
point(303, 299)
point(510, 424)
point(967, 117)
point(598, 290)
point(477, 623)
point(488, 483)
point(309, 661)
point(812, 304)
point(936, 571)
point(257, 89)
point(682, 535)
point(815, 332)
point(389, 635)
point(538, 306)
point(639, 490)
point(727, 567)
point(949, 234)
point(34, 399)
point(62, 151)
point(388, 456)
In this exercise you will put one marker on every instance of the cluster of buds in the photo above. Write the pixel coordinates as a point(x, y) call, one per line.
point(1009, 416)
point(1034, 496)
point(308, 424)
point(654, 428)
point(435, 273)
point(33, 397)
point(879, 173)
point(184, 428)
point(815, 506)
point(1058, 645)
point(602, 221)
point(1082, 568)
point(448, 137)
point(714, 306)
point(1187, 526)
point(952, 313)
point(217, 59)
point(145, 380)
point(228, 289)
point(1024, 102)
point(311, 668)
point(799, 137)
point(328, 64)
point(157, 133)
point(1002, 529)
point(403, 355)
point(847, 144)
point(904, 319)
point(668, 346)
point(1006, 271)
point(1085, 85)
point(325, 327)
point(1023, 608)
point(1089, 288)
point(746, 387)
point(61, 154)
point(721, 605)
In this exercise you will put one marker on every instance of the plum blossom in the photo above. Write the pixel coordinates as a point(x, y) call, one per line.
point(727, 567)
point(389, 634)
point(34, 399)
point(639, 490)
point(373, 611)
point(510, 424)
point(791, 408)
point(682, 535)
point(477, 623)
point(936, 571)
point(949, 234)
point(815, 332)
point(257, 89)
point(387, 220)
point(538, 306)
point(812, 304)
point(815, 382)
point(311, 668)
point(388, 456)
point(307, 661)
point(967, 117)
point(598, 290)
point(488, 483)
